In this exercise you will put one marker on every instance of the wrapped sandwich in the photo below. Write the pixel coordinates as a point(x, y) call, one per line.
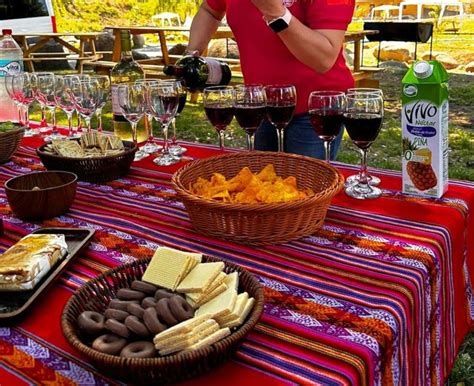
point(24, 264)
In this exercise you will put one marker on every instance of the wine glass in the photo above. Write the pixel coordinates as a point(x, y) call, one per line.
point(132, 99)
point(45, 86)
point(150, 146)
point(16, 98)
point(22, 88)
point(175, 148)
point(250, 109)
point(86, 94)
point(363, 120)
point(353, 179)
point(65, 99)
point(281, 103)
point(104, 85)
point(326, 109)
point(219, 107)
point(43, 127)
point(163, 98)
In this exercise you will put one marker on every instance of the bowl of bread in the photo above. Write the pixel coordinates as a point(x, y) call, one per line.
point(95, 157)
point(163, 319)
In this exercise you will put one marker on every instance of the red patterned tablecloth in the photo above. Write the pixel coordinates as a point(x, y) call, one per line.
point(380, 295)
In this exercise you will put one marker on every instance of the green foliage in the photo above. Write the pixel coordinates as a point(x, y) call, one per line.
point(94, 15)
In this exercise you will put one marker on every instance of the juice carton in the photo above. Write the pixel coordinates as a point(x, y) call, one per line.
point(425, 129)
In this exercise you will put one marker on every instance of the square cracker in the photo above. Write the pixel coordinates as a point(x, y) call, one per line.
point(200, 277)
point(221, 305)
point(211, 339)
point(181, 328)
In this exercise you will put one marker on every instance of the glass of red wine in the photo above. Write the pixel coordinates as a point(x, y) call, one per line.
point(363, 120)
point(281, 103)
point(219, 108)
point(163, 100)
point(354, 179)
point(326, 109)
point(250, 109)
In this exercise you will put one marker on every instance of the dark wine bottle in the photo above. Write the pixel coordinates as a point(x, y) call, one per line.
point(198, 72)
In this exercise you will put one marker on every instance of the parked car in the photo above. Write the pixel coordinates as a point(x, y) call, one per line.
point(23, 16)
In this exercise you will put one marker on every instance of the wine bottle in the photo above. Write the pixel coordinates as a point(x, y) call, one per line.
point(198, 72)
point(125, 71)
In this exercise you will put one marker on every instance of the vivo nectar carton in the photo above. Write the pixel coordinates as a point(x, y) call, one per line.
point(425, 129)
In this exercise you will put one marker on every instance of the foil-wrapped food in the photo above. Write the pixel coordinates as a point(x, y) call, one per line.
point(24, 264)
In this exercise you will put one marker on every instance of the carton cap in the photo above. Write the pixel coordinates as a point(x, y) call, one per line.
point(422, 69)
point(6, 31)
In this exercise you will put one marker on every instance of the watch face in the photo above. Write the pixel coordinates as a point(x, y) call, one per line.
point(278, 25)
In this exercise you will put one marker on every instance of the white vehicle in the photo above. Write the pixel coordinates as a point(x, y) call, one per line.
point(22, 16)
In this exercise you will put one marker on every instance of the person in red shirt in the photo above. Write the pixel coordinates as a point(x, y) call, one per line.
point(297, 42)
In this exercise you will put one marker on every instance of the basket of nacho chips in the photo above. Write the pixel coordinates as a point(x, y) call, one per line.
point(257, 197)
point(95, 157)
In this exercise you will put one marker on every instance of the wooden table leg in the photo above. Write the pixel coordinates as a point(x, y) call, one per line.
point(26, 54)
point(357, 54)
point(164, 48)
point(117, 46)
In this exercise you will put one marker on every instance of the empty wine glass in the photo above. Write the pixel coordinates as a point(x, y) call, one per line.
point(22, 88)
point(43, 127)
point(363, 120)
point(163, 98)
point(150, 146)
point(16, 98)
point(354, 179)
point(281, 103)
point(65, 99)
point(219, 108)
point(326, 109)
point(250, 109)
point(175, 148)
point(45, 86)
point(86, 94)
point(132, 99)
point(104, 85)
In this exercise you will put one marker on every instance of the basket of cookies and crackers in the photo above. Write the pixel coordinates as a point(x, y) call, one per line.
point(164, 319)
point(95, 157)
point(257, 197)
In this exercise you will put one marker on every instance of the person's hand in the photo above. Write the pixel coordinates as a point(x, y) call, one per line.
point(271, 9)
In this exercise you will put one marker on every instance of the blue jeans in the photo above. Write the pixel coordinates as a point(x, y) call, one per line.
point(299, 137)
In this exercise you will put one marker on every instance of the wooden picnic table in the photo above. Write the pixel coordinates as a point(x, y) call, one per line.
point(31, 54)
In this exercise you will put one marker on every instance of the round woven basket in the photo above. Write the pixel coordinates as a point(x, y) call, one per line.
point(9, 142)
point(258, 224)
point(97, 169)
point(97, 293)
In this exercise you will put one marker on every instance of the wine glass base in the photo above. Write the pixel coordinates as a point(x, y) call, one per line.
point(151, 147)
point(354, 179)
point(363, 192)
point(165, 160)
point(139, 155)
point(177, 150)
point(30, 133)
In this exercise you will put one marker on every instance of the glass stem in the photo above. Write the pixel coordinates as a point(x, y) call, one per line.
point(27, 116)
point(44, 122)
point(281, 147)
point(134, 132)
point(79, 127)
point(363, 180)
point(173, 125)
point(327, 150)
point(20, 114)
point(250, 142)
point(149, 128)
point(88, 124)
point(99, 117)
point(69, 122)
point(221, 139)
point(165, 139)
point(53, 119)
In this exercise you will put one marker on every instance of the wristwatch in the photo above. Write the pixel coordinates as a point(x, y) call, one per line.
point(280, 23)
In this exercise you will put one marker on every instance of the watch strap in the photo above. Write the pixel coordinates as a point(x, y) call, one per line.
point(280, 23)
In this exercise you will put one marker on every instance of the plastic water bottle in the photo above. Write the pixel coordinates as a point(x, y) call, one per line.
point(11, 62)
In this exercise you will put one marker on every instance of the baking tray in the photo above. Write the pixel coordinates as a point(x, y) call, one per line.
point(14, 303)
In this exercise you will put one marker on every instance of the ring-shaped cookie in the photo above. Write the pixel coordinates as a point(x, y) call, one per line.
point(164, 313)
point(140, 349)
point(180, 308)
point(109, 344)
point(91, 322)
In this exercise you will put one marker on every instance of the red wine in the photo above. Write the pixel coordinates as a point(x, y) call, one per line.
point(363, 128)
point(326, 124)
point(250, 117)
point(219, 117)
point(280, 115)
point(181, 102)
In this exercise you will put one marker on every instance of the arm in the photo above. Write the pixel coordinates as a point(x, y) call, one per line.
point(204, 24)
point(317, 49)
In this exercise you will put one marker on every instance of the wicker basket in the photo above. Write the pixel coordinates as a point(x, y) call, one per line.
point(96, 294)
point(98, 169)
point(258, 224)
point(9, 142)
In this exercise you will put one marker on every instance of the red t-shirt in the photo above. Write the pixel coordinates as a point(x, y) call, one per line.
point(264, 57)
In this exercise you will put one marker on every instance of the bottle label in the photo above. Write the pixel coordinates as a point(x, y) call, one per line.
point(115, 101)
point(10, 67)
point(215, 71)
